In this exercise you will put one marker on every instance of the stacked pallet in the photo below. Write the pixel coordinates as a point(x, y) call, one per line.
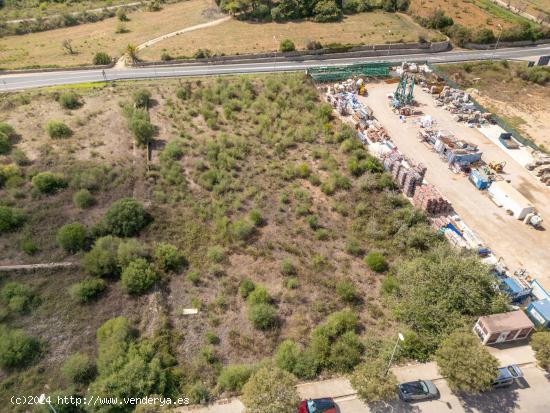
point(430, 200)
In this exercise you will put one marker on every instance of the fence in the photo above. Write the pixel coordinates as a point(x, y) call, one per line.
point(499, 121)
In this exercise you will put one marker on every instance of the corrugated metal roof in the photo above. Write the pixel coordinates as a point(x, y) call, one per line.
point(543, 308)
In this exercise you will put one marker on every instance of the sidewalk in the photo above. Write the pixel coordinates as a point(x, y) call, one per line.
point(340, 388)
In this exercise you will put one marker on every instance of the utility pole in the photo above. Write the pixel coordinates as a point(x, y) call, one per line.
point(399, 338)
point(498, 40)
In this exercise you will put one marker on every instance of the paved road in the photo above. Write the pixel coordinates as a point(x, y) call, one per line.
point(33, 80)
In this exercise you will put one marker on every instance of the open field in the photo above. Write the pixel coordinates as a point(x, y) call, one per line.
point(45, 48)
point(520, 245)
point(474, 14)
point(501, 89)
point(28, 9)
point(247, 37)
point(536, 8)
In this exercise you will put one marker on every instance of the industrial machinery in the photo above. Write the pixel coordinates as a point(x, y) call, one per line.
point(404, 93)
point(533, 219)
point(497, 166)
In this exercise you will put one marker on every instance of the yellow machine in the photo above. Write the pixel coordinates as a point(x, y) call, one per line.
point(497, 166)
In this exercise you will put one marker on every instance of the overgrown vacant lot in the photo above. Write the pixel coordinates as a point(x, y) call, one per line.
point(237, 36)
point(258, 208)
point(510, 89)
point(45, 48)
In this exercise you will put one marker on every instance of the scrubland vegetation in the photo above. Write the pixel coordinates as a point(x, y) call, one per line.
point(257, 208)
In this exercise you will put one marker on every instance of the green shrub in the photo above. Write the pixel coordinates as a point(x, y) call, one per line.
point(72, 237)
point(327, 11)
point(87, 290)
point(216, 254)
point(83, 199)
point(246, 287)
point(172, 151)
point(58, 130)
point(347, 291)
point(256, 218)
point(212, 338)
point(234, 377)
point(101, 58)
point(48, 182)
point(5, 144)
point(376, 262)
point(313, 221)
point(291, 283)
point(168, 257)
point(194, 277)
point(287, 354)
point(259, 296)
point(353, 247)
point(287, 45)
point(142, 129)
point(18, 297)
point(263, 316)
point(129, 250)
point(125, 218)
point(101, 261)
point(79, 368)
point(17, 349)
point(540, 342)
point(138, 277)
point(202, 54)
point(10, 219)
point(69, 100)
point(29, 247)
point(287, 267)
point(242, 230)
point(270, 389)
point(141, 98)
point(183, 93)
point(8, 130)
point(390, 285)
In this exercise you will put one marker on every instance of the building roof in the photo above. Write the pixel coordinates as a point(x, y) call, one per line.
point(513, 320)
point(543, 308)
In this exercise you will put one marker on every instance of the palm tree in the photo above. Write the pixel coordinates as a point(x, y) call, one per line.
point(132, 51)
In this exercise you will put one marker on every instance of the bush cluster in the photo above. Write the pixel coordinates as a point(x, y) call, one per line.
point(69, 100)
point(7, 136)
point(79, 368)
point(18, 297)
point(125, 218)
point(57, 129)
point(72, 237)
point(10, 219)
point(48, 182)
point(168, 257)
point(17, 349)
point(138, 277)
point(87, 290)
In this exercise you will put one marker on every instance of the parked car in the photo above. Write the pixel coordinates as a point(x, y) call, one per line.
point(507, 375)
point(325, 405)
point(417, 390)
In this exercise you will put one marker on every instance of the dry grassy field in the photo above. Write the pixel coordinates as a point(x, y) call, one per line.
point(499, 88)
point(45, 48)
point(246, 37)
point(534, 7)
point(472, 14)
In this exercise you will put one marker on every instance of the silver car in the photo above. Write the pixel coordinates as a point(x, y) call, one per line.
point(417, 390)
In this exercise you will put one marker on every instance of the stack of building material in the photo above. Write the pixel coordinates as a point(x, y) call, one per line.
point(429, 199)
point(406, 176)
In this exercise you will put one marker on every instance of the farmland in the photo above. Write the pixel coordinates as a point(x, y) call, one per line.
point(271, 233)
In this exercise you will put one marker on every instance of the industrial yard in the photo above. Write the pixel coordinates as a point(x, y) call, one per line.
point(479, 218)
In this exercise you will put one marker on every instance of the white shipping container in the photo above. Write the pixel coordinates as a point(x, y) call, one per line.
point(504, 194)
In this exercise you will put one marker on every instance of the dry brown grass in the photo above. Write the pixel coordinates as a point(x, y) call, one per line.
point(244, 37)
point(45, 48)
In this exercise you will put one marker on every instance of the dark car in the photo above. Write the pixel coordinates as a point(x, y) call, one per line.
point(507, 375)
point(325, 405)
point(417, 390)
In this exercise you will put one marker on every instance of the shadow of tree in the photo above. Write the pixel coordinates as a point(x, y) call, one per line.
point(503, 400)
point(396, 406)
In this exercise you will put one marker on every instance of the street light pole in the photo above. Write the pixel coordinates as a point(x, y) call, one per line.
point(498, 40)
point(399, 338)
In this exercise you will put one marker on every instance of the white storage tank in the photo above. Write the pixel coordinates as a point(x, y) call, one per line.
point(510, 199)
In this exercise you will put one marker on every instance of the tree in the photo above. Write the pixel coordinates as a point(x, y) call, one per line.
point(270, 390)
point(125, 218)
point(142, 129)
point(10, 219)
point(17, 349)
point(287, 45)
point(79, 368)
point(101, 58)
point(327, 11)
point(138, 277)
point(540, 342)
point(263, 316)
point(58, 130)
point(87, 290)
point(48, 182)
point(5, 144)
point(141, 98)
point(129, 250)
point(101, 261)
point(168, 257)
point(373, 382)
point(68, 46)
point(72, 237)
point(234, 377)
point(465, 363)
point(18, 297)
point(132, 51)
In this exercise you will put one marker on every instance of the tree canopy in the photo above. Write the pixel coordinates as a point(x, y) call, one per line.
point(270, 390)
point(372, 383)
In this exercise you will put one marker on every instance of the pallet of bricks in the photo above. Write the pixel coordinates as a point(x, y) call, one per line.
point(429, 199)
point(407, 178)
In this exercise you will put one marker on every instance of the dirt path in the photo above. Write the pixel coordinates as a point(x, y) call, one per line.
point(30, 267)
point(185, 30)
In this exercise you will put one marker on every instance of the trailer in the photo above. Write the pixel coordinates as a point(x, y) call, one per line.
point(505, 195)
point(508, 141)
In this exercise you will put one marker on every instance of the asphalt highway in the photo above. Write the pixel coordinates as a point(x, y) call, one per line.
point(21, 81)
